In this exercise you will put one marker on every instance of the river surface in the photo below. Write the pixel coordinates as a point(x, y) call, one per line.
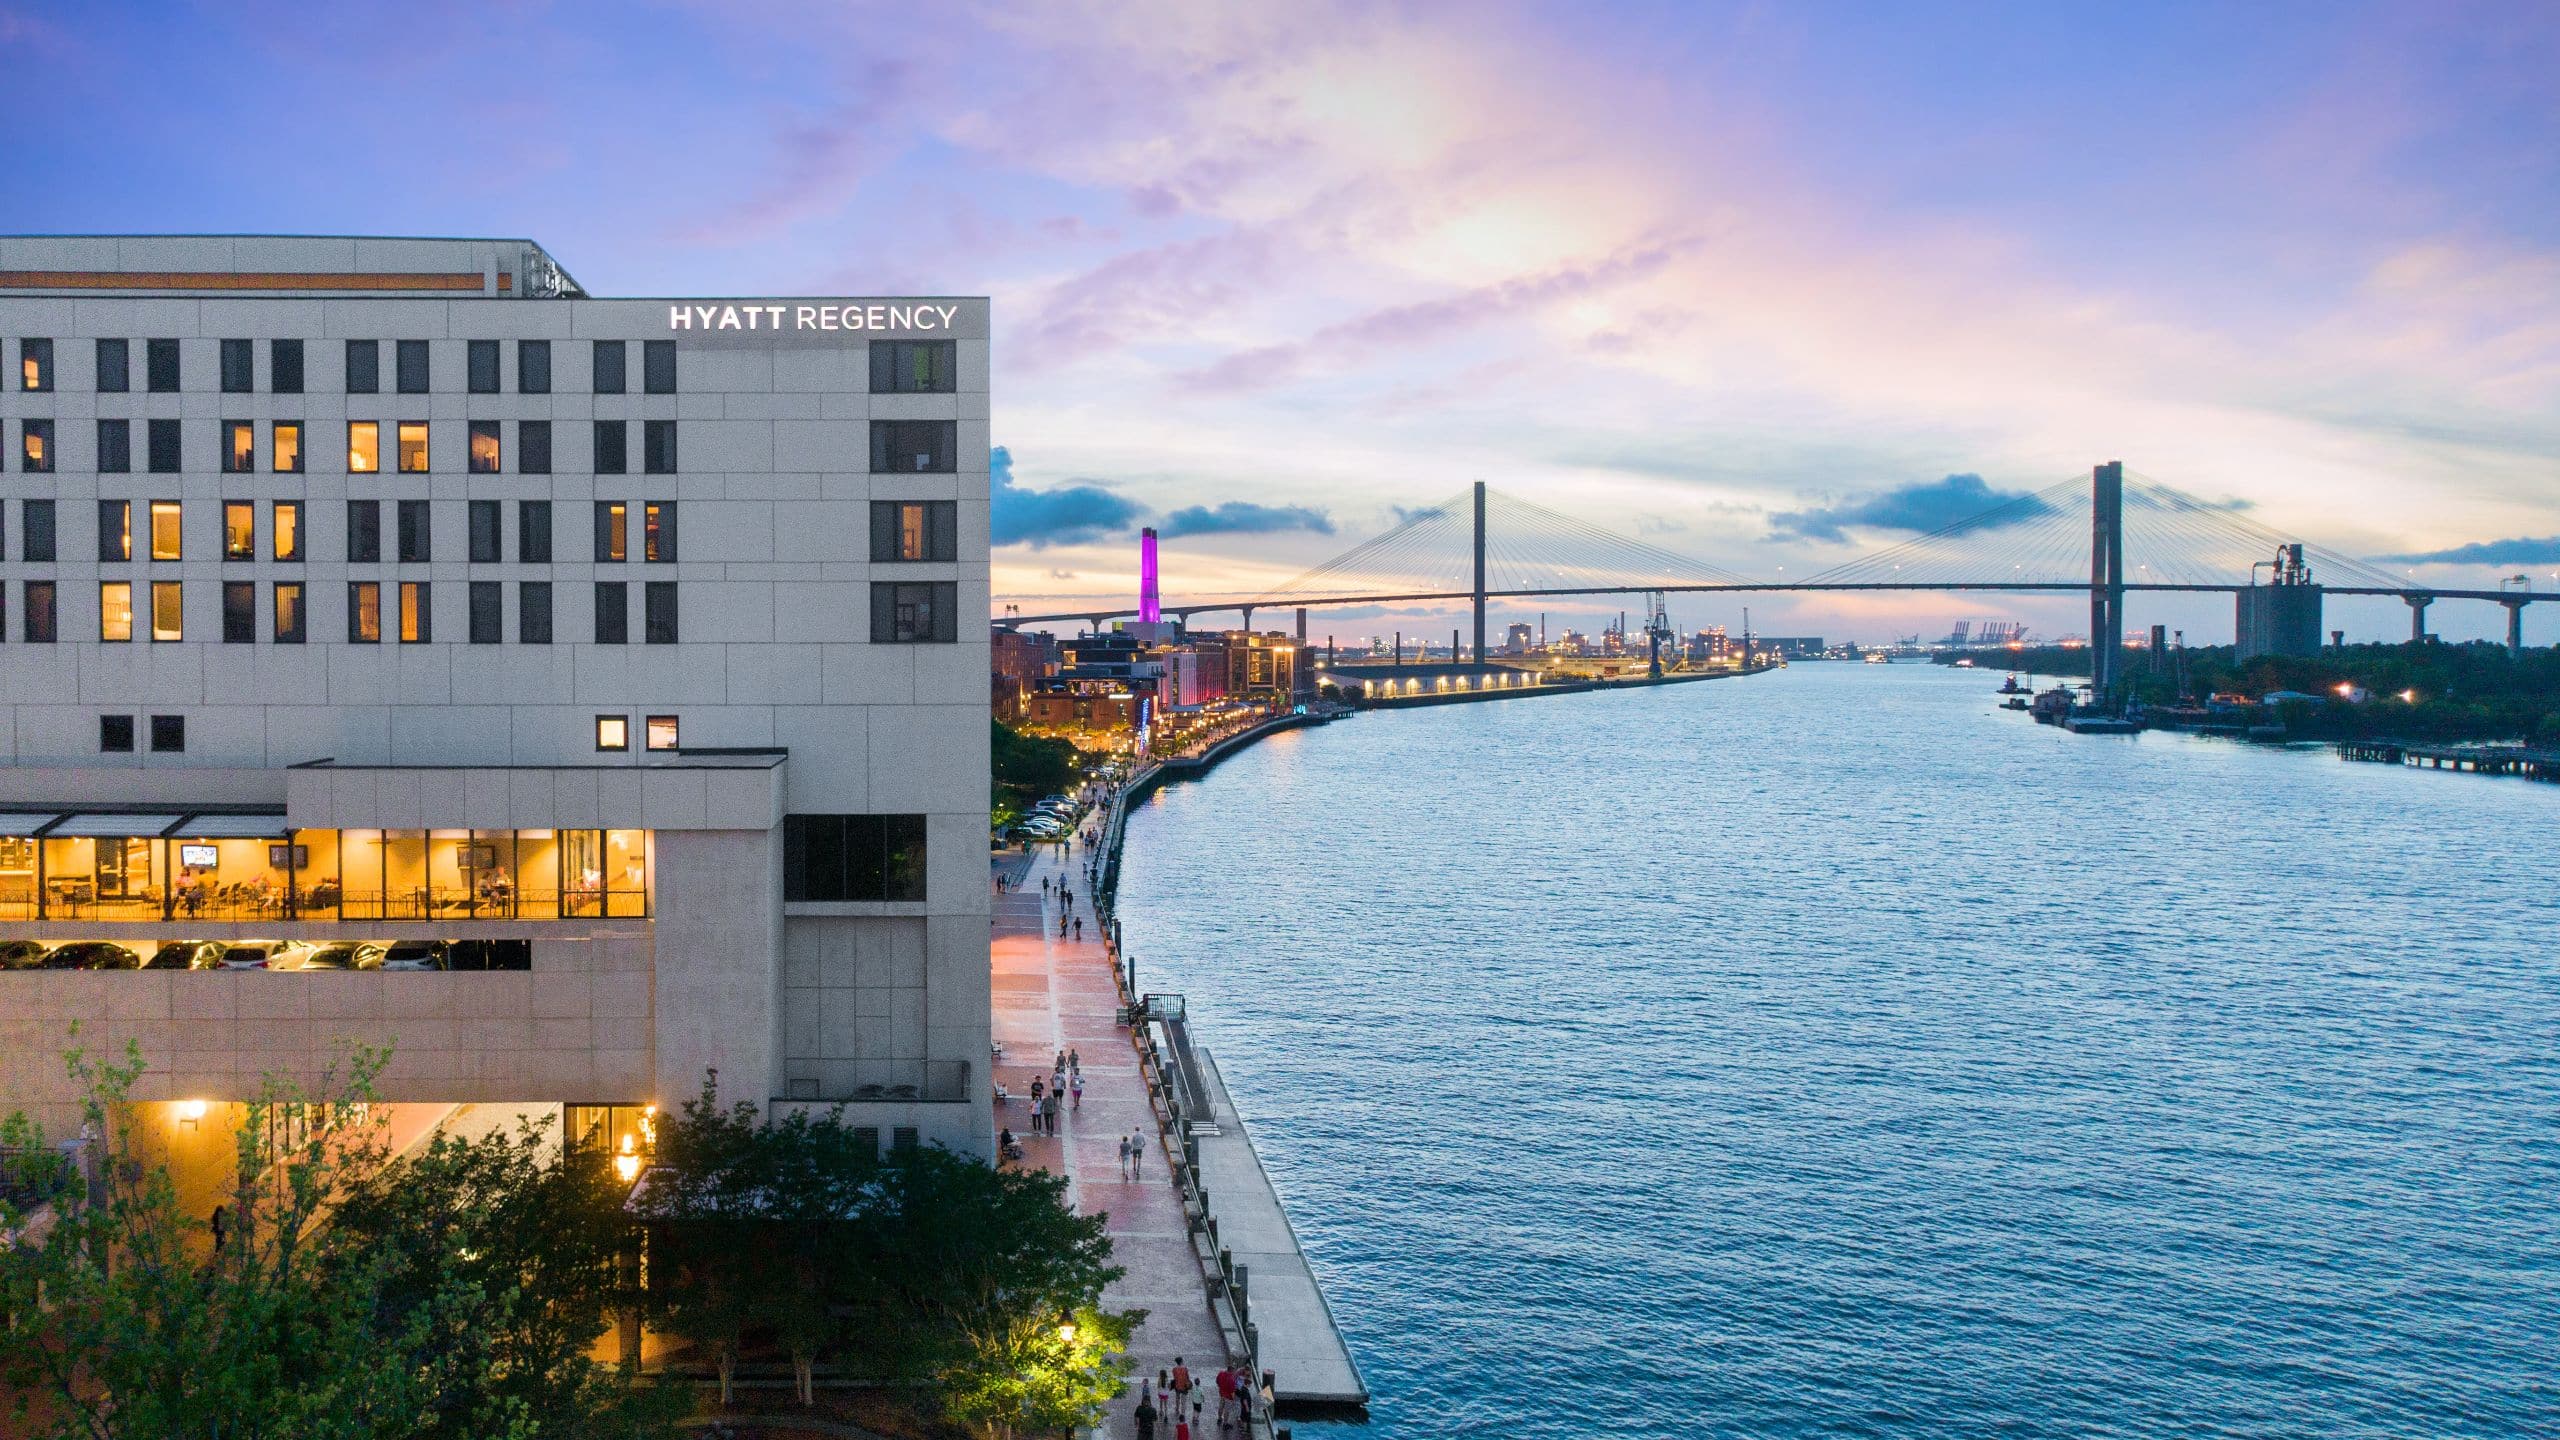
point(1829, 1053)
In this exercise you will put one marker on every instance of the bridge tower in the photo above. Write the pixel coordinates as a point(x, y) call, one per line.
point(1479, 596)
point(2106, 583)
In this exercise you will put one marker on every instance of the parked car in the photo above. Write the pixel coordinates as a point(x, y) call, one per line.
point(92, 955)
point(415, 955)
point(253, 954)
point(186, 955)
point(341, 955)
point(21, 954)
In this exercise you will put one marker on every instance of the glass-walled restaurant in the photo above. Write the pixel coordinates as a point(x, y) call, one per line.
point(249, 868)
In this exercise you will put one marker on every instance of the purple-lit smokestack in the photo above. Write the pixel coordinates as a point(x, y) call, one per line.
point(1150, 603)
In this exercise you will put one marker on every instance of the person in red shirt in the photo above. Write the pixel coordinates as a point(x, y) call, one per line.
point(1226, 1395)
point(1181, 1384)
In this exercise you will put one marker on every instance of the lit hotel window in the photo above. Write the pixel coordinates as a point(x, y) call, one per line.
point(167, 611)
point(288, 447)
point(658, 541)
point(484, 448)
point(413, 447)
point(914, 530)
point(165, 536)
point(364, 612)
point(239, 530)
point(613, 530)
point(288, 612)
point(35, 364)
point(239, 447)
point(36, 446)
point(288, 529)
point(115, 610)
point(115, 530)
point(613, 732)
point(662, 732)
point(364, 446)
point(416, 622)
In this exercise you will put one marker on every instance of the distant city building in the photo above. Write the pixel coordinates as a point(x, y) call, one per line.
point(1518, 640)
point(1020, 662)
point(1788, 647)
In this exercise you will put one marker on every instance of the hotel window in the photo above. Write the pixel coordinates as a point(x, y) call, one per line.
point(484, 447)
point(658, 447)
point(364, 612)
point(168, 540)
point(613, 531)
point(915, 367)
point(411, 366)
point(115, 531)
point(239, 530)
point(115, 447)
point(909, 613)
point(286, 520)
point(658, 612)
point(35, 364)
point(609, 366)
point(168, 610)
point(239, 367)
point(115, 367)
point(485, 620)
point(914, 530)
point(364, 367)
point(35, 446)
point(284, 367)
point(485, 548)
point(658, 531)
point(169, 734)
point(853, 857)
point(239, 612)
point(482, 356)
point(533, 613)
point(239, 447)
point(417, 618)
point(37, 614)
point(533, 367)
point(658, 367)
point(115, 611)
point(533, 447)
point(115, 734)
point(160, 365)
point(288, 612)
point(364, 447)
point(613, 613)
point(613, 732)
point(613, 452)
point(533, 532)
point(417, 539)
point(285, 445)
point(364, 532)
point(162, 439)
point(660, 731)
point(413, 447)
point(914, 447)
point(35, 531)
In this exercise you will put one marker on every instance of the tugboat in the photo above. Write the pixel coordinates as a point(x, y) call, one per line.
point(2053, 706)
point(2011, 686)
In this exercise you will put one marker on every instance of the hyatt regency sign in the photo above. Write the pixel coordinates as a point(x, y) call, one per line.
point(849, 315)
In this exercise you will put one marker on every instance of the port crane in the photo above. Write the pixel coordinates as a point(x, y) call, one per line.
point(1657, 633)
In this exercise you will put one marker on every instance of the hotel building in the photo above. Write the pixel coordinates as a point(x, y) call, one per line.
point(603, 658)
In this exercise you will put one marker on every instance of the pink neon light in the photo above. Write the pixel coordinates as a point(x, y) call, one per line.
point(1150, 604)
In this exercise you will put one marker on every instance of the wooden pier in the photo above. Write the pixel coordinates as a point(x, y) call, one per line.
point(2480, 759)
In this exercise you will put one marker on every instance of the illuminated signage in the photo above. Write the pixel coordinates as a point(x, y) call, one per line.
point(869, 315)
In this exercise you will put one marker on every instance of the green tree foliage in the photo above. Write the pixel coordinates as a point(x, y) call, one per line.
point(1026, 768)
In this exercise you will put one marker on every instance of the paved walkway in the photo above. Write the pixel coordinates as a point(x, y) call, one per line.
point(1054, 994)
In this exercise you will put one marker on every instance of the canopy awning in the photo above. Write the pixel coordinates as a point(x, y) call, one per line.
point(19, 825)
point(232, 827)
point(111, 825)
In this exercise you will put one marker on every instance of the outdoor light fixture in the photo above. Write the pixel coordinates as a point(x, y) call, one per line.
point(191, 1113)
point(626, 1166)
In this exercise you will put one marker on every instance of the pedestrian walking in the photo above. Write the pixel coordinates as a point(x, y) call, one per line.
point(1044, 885)
point(1079, 927)
point(1181, 1381)
point(1226, 1395)
point(1145, 1415)
point(1164, 1390)
point(1060, 1063)
point(1124, 1157)
point(1075, 1089)
point(1075, 1063)
point(1137, 1153)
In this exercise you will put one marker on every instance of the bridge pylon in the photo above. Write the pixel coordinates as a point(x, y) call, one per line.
point(2106, 583)
point(1479, 589)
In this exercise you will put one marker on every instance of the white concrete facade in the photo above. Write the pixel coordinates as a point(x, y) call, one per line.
point(785, 701)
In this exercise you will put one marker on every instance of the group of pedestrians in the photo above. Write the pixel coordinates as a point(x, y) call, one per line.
point(1063, 1088)
point(1170, 1401)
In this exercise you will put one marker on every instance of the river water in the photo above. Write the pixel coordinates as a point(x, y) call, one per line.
point(1829, 1053)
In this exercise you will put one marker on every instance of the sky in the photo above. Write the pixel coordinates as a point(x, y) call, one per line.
point(1769, 285)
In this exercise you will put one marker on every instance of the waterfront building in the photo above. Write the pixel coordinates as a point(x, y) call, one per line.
point(601, 658)
point(1019, 662)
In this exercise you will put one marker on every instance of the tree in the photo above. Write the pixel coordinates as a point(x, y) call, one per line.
point(1023, 768)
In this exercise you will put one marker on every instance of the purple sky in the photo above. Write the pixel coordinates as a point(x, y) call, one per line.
point(1265, 273)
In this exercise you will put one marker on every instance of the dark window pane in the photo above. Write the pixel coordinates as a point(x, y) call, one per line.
point(115, 531)
point(658, 447)
point(482, 356)
point(914, 367)
point(533, 367)
point(364, 367)
point(115, 359)
point(160, 364)
point(533, 532)
point(239, 612)
point(35, 531)
point(915, 612)
point(115, 446)
point(163, 438)
point(903, 867)
point(866, 858)
point(413, 367)
point(533, 612)
point(364, 532)
point(239, 367)
point(658, 367)
point(37, 613)
point(533, 447)
point(609, 364)
point(485, 524)
point(284, 367)
point(416, 533)
point(169, 733)
point(658, 611)
point(613, 613)
point(115, 734)
point(485, 619)
point(914, 447)
point(613, 439)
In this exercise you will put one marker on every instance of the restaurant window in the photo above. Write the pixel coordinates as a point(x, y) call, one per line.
point(115, 531)
point(285, 444)
point(911, 612)
point(413, 447)
point(658, 539)
point(239, 530)
point(485, 520)
point(239, 367)
point(168, 611)
point(613, 531)
point(486, 622)
point(115, 611)
point(607, 1130)
point(661, 732)
point(658, 447)
point(411, 361)
point(533, 447)
point(827, 858)
point(613, 452)
point(613, 613)
point(364, 447)
point(364, 532)
point(364, 367)
point(364, 612)
point(533, 613)
point(160, 365)
point(658, 367)
point(482, 356)
point(36, 615)
point(167, 534)
point(162, 440)
point(658, 612)
point(915, 367)
point(613, 732)
point(115, 447)
point(605, 872)
point(484, 447)
point(115, 367)
point(284, 367)
point(610, 358)
point(35, 531)
point(914, 530)
point(417, 533)
point(169, 734)
point(285, 518)
point(239, 612)
point(239, 447)
point(115, 734)
point(289, 624)
point(533, 367)
point(35, 364)
point(533, 532)
point(35, 446)
point(417, 617)
point(915, 447)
